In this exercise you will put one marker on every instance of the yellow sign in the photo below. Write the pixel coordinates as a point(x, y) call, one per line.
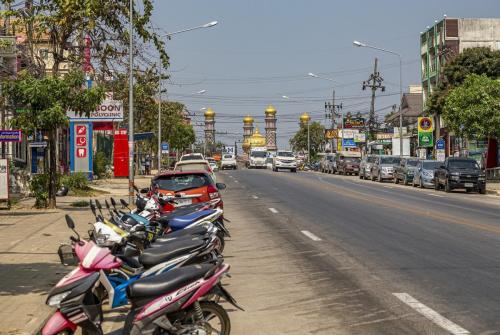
point(331, 133)
point(425, 124)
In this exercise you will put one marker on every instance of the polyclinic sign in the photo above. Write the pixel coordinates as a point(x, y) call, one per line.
point(425, 132)
point(107, 111)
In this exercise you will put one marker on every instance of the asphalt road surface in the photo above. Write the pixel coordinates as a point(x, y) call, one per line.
point(385, 258)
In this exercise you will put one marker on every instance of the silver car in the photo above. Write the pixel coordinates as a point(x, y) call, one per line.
point(424, 177)
point(383, 168)
point(365, 166)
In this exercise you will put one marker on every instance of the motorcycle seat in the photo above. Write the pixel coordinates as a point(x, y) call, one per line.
point(195, 231)
point(182, 221)
point(180, 211)
point(153, 256)
point(159, 243)
point(155, 286)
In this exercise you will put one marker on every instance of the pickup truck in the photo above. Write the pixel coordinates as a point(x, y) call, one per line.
point(406, 170)
point(457, 172)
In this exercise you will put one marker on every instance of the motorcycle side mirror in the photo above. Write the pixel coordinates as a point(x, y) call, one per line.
point(107, 203)
point(124, 203)
point(92, 208)
point(221, 186)
point(113, 201)
point(69, 222)
point(98, 204)
point(136, 189)
point(144, 190)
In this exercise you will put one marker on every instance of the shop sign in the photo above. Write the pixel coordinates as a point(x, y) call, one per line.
point(4, 179)
point(10, 135)
point(354, 122)
point(331, 134)
point(360, 137)
point(425, 132)
point(349, 143)
point(108, 110)
point(384, 136)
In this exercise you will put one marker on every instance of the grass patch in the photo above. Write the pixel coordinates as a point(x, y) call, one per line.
point(80, 203)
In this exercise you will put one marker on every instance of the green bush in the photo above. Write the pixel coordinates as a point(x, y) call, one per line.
point(100, 163)
point(76, 181)
point(39, 186)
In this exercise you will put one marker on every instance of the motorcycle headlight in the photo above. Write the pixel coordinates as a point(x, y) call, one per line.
point(55, 300)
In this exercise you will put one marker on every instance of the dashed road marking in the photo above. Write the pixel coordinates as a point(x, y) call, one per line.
point(310, 235)
point(436, 195)
point(431, 314)
point(255, 197)
point(274, 210)
point(388, 186)
point(236, 181)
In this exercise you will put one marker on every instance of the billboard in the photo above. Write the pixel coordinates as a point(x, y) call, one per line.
point(354, 122)
point(107, 111)
point(425, 132)
point(10, 135)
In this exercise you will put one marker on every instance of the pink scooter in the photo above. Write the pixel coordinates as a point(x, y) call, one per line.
point(172, 303)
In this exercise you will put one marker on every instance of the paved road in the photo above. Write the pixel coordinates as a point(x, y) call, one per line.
point(386, 259)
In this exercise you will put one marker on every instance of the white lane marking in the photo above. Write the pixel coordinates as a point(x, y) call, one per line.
point(255, 197)
point(435, 195)
point(431, 314)
point(388, 186)
point(236, 181)
point(274, 210)
point(310, 235)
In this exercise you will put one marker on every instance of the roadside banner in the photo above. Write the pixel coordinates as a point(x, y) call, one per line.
point(229, 150)
point(165, 148)
point(107, 111)
point(4, 179)
point(360, 137)
point(349, 143)
point(10, 135)
point(425, 132)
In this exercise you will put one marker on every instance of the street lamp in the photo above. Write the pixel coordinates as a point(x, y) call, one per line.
point(363, 45)
point(305, 119)
point(207, 25)
point(131, 106)
point(313, 75)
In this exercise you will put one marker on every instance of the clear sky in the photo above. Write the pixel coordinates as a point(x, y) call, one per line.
point(263, 49)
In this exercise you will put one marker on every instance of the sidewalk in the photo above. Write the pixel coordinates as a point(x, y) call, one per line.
point(493, 188)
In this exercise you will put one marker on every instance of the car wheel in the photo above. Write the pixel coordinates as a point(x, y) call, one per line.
point(372, 178)
point(436, 184)
point(379, 178)
point(420, 183)
point(360, 176)
point(468, 190)
point(405, 181)
point(447, 187)
point(396, 180)
point(293, 170)
point(482, 190)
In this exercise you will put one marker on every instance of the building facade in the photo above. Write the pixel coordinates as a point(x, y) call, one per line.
point(209, 127)
point(270, 128)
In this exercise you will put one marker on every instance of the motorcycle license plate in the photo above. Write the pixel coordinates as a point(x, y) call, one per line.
point(469, 185)
point(183, 202)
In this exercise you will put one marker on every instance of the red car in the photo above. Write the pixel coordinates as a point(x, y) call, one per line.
point(185, 183)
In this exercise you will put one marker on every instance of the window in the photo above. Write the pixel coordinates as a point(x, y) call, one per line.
point(285, 154)
point(182, 183)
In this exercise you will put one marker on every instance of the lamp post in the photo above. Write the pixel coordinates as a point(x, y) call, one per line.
point(310, 74)
point(207, 25)
point(131, 106)
point(363, 45)
point(305, 120)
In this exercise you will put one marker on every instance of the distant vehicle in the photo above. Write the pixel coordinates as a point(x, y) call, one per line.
point(269, 163)
point(457, 172)
point(365, 167)
point(348, 165)
point(193, 156)
point(228, 161)
point(383, 168)
point(285, 160)
point(257, 158)
point(194, 165)
point(406, 170)
point(424, 177)
point(213, 164)
point(326, 163)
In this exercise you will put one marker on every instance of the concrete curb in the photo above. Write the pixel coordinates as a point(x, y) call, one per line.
point(38, 329)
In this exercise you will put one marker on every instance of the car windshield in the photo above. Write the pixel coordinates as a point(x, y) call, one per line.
point(227, 157)
point(371, 159)
point(390, 160)
point(192, 167)
point(412, 162)
point(464, 164)
point(259, 154)
point(191, 157)
point(351, 160)
point(285, 154)
point(183, 182)
point(329, 158)
point(431, 165)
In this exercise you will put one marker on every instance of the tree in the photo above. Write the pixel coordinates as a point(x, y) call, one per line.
point(44, 102)
point(316, 138)
point(472, 109)
point(471, 61)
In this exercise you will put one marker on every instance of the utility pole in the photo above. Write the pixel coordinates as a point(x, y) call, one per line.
point(331, 113)
point(374, 83)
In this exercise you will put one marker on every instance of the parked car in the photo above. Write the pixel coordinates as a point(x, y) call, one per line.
point(188, 183)
point(383, 168)
point(285, 160)
point(457, 172)
point(424, 176)
point(194, 165)
point(193, 156)
point(326, 163)
point(406, 170)
point(228, 161)
point(213, 164)
point(348, 165)
point(365, 166)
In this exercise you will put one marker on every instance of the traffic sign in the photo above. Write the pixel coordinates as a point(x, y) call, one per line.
point(440, 144)
point(165, 148)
